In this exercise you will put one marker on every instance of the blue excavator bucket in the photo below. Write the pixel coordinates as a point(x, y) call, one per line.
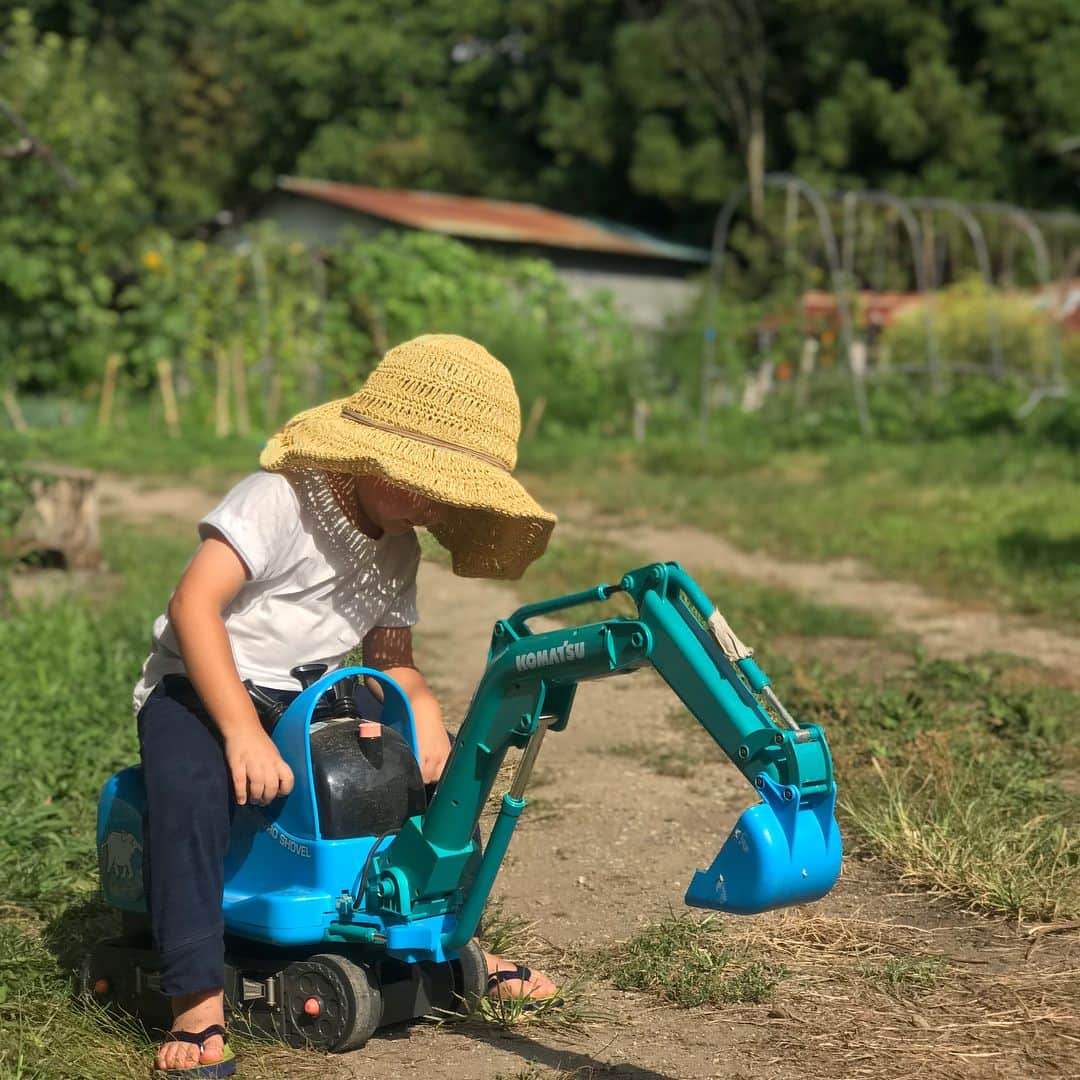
point(785, 850)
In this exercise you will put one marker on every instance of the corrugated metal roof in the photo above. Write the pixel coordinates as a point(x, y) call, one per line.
point(490, 219)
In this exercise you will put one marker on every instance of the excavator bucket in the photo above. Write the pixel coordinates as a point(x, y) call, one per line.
point(785, 850)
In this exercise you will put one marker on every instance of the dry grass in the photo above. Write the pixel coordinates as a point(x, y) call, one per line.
point(992, 845)
point(867, 998)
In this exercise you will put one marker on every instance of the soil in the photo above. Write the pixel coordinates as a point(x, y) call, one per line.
point(609, 845)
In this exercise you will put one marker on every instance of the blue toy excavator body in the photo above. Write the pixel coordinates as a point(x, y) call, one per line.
point(335, 928)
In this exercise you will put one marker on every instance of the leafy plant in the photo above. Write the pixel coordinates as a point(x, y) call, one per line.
point(64, 210)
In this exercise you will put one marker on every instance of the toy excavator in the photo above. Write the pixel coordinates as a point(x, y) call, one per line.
point(351, 904)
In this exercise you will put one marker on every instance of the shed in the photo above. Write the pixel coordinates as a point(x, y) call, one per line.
point(649, 278)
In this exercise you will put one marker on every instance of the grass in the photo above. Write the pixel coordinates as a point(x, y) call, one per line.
point(991, 520)
point(754, 611)
point(949, 772)
point(902, 976)
point(690, 962)
point(964, 828)
point(142, 449)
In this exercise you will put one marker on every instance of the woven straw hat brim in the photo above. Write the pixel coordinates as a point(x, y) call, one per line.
point(494, 528)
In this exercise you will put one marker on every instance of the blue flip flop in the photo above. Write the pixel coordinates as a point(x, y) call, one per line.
point(225, 1067)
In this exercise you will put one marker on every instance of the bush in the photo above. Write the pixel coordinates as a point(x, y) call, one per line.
point(963, 321)
point(62, 225)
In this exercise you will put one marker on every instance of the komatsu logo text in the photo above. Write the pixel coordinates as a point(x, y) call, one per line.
point(560, 654)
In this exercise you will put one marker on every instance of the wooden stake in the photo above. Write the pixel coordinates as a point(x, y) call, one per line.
point(239, 369)
point(221, 395)
point(11, 406)
point(807, 363)
point(108, 391)
point(273, 401)
point(536, 414)
point(168, 397)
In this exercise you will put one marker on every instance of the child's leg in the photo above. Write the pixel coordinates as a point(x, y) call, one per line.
point(185, 839)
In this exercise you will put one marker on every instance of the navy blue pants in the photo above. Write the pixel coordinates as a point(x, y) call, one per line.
point(189, 809)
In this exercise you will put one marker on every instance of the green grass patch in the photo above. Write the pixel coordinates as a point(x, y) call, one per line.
point(950, 772)
point(966, 822)
point(903, 976)
point(44, 1033)
point(991, 519)
point(690, 962)
point(141, 449)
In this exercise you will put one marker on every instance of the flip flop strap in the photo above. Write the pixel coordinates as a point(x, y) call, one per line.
point(197, 1038)
point(520, 972)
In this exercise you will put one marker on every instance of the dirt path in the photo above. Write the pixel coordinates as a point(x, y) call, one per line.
point(608, 845)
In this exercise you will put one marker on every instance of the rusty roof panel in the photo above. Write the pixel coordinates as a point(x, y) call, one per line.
point(488, 219)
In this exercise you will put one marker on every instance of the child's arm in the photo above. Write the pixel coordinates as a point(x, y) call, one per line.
point(213, 578)
point(389, 648)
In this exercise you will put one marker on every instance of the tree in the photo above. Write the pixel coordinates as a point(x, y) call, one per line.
point(65, 209)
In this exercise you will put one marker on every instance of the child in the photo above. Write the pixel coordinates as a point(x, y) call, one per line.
point(300, 563)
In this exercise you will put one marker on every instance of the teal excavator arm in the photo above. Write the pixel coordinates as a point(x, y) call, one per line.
point(784, 850)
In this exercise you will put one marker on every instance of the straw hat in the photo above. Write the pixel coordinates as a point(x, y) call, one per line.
point(439, 415)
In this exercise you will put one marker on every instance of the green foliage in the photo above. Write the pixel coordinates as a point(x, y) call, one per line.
point(75, 667)
point(64, 212)
point(370, 90)
point(963, 321)
point(1029, 55)
point(13, 486)
point(307, 331)
point(586, 104)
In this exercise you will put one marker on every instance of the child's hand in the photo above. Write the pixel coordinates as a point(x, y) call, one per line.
point(259, 772)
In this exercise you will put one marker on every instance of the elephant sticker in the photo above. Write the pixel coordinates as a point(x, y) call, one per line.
point(121, 865)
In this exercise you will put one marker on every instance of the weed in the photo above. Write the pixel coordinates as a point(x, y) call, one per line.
point(900, 975)
point(505, 933)
point(568, 1009)
point(690, 962)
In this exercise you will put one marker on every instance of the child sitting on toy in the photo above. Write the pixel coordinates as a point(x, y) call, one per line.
point(302, 561)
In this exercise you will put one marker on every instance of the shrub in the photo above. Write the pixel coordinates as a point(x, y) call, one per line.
point(964, 316)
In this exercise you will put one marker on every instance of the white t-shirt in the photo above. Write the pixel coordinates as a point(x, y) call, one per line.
point(317, 584)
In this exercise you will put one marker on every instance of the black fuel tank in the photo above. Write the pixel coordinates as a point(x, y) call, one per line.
point(364, 786)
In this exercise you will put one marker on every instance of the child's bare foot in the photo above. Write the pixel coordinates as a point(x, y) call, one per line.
point(194, 1013)
point(509, 980)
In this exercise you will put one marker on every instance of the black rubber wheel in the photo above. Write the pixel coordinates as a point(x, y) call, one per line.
point(349, 1005)
point(470, 978)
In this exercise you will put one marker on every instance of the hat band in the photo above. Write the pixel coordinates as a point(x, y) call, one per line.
point(431, 440)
